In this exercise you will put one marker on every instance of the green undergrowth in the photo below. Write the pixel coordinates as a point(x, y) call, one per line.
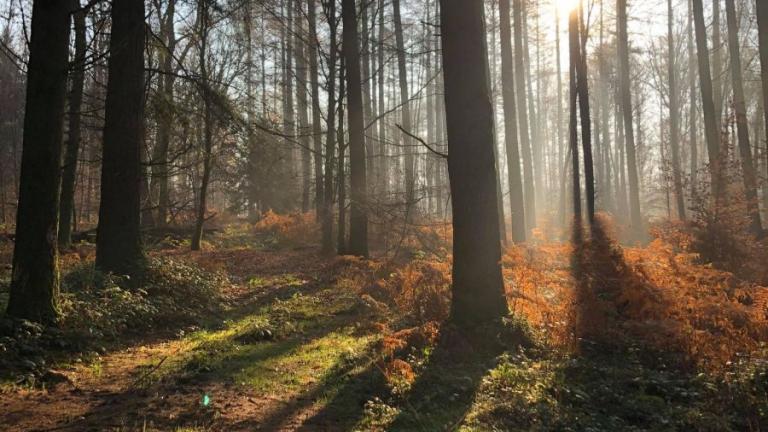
point(102, 311)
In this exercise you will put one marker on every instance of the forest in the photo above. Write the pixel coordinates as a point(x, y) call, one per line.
point(383, 215)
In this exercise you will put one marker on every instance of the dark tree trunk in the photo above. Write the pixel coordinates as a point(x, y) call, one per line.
point(72, 149)
point(635, 217)
point(742, 125)
point(710, 118)
point(478, 288)
point(358, 219)
point(35, 274)
point(516, 199)
point(692, 112)
point(118, 247)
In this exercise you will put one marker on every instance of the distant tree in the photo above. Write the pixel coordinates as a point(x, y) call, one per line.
point(478, 288)
point(118, 245)
point(674, 114)
point(742, 125)
point(358, 221)
point(711, 124)
point(522, 113)
point(410, 179)
point(516, 198)
point(72, 146)
point(625, 98)
point(35, 274)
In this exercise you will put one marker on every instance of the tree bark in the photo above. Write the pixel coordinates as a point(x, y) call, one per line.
point(478, 289)
point(762, 33)
point(586, 122)
point(35, 274)
point(317, 134)
point(302, 105)
point(574, 45)
point(118, 246)
point(358, 219)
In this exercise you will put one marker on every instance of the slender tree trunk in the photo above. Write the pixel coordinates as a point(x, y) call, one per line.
point(710, 118)
point(478, 289)
point(410, 179)
point(327, 216)
point(72, 149)
point(202, 201)
point(692, 112)
point(160, 176)
point(574, 45)
point(742, 126)
point(342, 245)
point(629, 133)
point(358, 220)
point(586, 122)
point(118, 246)
point(304, 130)
point(674, 115)
point(317, 134)
point(384, 163)
point(522, 112)
point(717, 61)
point(516, 199)
point(35, 274)
point(289, 126)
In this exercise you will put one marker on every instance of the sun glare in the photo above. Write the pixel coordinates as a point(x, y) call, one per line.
point(565, 6)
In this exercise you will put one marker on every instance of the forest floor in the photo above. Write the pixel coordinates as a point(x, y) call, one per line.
point(289, 340)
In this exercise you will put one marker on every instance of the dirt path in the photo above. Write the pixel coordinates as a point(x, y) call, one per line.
point(148, 386)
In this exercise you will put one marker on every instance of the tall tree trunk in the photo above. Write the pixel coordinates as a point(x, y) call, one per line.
point(69, 171)
point(327, 214)
point(358, 218)
point(516, 199)
point(160, 176)
point(742, 126)
point(478, 289)
point(710, 118)
point(522, 112)
point(202, 202)
point(626, 106)
point(410, 179)
point(289, 126)
point(341, 177)
point(35, 274)
point(692, 112)
point(717, 61)
point(384, 163)
point(574, 45)
point(304, 130)
point(118, 246)
point(586, 122)
point(674, 115)
point(317, 134)
point(561, 139)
